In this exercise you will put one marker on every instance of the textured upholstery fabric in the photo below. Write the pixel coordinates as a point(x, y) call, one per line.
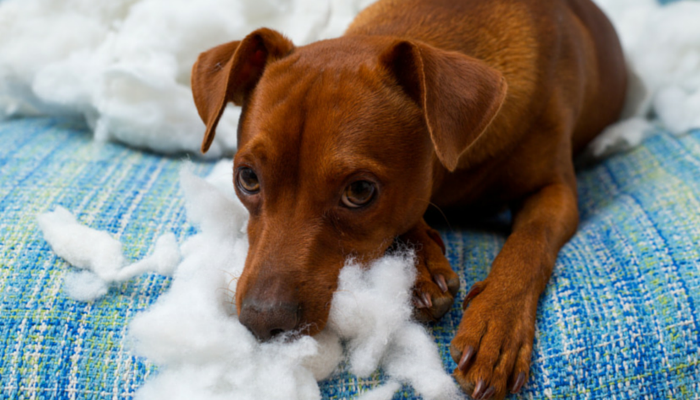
point(619, 318)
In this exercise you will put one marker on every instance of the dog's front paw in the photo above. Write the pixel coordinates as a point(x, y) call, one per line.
point(493, 345)
point(436, 284)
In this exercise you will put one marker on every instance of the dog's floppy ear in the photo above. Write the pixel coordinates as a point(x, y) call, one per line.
point(230, 72)
point(459, 95)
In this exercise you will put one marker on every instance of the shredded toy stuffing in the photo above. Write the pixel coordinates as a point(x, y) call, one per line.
point(662, 47)
point(124, 65)
point(100, 255)
point(192, 331)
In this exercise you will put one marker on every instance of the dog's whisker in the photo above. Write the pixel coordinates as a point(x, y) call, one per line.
point(444, 216)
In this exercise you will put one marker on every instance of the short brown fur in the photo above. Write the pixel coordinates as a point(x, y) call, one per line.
point(465, 104)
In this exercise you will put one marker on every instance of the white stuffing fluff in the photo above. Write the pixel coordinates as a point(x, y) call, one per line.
point(100, 254)
point(662, 47)
point(622, 136)
point(84, 286)
point(125, 64)
point(192, 331)
point(79, 245)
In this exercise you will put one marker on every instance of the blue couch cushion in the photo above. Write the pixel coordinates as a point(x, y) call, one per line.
point(618, 319)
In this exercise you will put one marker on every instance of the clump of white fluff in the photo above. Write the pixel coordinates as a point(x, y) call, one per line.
point(81, 246)
point(192, 332)
point(384, 288)
point(371, 311)
point(662, 48)
point(100, 254)
point(125, 64)
point(84, 286)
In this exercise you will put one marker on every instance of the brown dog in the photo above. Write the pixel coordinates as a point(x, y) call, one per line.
point(463, 103)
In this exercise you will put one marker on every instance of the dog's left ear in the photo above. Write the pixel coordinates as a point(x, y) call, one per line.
point(459, 95)
point(230, 72)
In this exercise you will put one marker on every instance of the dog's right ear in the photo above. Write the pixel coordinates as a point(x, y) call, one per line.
point(459, 95)
point(230, 72)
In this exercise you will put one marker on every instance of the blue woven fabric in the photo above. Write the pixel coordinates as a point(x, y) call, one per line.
point(618, 320)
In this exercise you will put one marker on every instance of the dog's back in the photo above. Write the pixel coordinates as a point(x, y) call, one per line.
point(543, 49)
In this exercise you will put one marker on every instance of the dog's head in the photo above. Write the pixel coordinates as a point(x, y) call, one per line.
point(339, 144)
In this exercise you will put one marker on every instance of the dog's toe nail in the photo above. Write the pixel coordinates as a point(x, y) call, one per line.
point(427, 300)
point(489, 393)
point(418, 302)
point(479, 390)
point(519, 382)
point(473, 292)
point(440, 280)
point(466, 357)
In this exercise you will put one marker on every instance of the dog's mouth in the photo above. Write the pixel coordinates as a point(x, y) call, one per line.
point(285, 310)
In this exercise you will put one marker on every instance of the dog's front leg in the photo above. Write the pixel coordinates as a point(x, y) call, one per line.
point(493, 344)
point(436, 284)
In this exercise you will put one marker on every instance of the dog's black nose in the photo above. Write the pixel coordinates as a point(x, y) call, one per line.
point(268, 319)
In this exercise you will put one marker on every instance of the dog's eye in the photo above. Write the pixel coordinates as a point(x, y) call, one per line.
point(358, 194)
point(248, 181)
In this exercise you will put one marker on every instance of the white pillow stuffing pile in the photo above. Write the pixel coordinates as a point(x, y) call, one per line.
point(192, 331)
point(662, 48)
point(125, 64)
point(100, 255)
